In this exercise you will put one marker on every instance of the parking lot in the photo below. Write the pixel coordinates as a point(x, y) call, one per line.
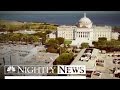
point(106, 66)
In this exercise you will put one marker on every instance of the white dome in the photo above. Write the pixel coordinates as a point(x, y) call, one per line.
point(85, 20)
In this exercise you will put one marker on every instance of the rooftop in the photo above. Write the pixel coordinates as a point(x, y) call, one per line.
point(42, 58)
point(90, 65)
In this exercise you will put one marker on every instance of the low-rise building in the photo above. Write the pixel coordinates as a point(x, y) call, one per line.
point(25, 31)
point(115, 35)
point(19, 54)
point(52, 35)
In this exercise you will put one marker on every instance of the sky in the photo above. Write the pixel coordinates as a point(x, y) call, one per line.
point(57, 12)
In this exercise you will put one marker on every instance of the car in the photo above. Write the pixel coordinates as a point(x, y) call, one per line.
point(118, 55)
point(114, 61)
point(88, 50)
point(100, 64)
point(84, 58)
point(117, 75)
point(118, 62)
point(97, 73)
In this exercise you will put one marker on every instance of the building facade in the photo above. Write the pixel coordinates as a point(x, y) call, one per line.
point(52, 35)
point(102, 31)
point(85, 32)
point(66, 32)
point(115, 35)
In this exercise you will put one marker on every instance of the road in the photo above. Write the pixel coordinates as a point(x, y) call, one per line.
point(78, 56)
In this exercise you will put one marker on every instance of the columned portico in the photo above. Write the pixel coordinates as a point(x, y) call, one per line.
point(83, 34)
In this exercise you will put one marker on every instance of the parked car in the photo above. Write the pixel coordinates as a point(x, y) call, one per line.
point(97, 73)
point(116, 61)
point(85, 58)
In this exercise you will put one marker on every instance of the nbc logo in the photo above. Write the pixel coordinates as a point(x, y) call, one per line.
point(11, 69)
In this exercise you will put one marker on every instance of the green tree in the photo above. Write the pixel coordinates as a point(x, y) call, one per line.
point(62, 50)
point(48, 32)
point(35, 39)
point(41, 35)
point(52, 46)
point(31, 39)
point(26, 38)
point(64, 59)
point(3, 38)
point(60, 40)
point(102, 39)
point(14, 37)
point(109, 46)
point(2, 27)
point(52, 43)
point(51, 50)
point(102, 42)
point(84, 45)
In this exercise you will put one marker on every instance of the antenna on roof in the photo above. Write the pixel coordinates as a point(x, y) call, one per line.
point(84, 14)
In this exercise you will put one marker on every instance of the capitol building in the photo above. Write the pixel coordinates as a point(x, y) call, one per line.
point(84, 32)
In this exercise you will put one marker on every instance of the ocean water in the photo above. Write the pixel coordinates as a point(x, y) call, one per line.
point(65, 18)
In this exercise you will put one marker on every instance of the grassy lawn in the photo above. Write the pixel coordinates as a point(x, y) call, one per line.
point(67, 42)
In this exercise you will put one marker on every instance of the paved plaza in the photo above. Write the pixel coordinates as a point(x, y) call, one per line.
point(25, 55)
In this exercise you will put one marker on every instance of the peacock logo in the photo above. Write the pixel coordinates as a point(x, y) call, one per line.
point(11, 69)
